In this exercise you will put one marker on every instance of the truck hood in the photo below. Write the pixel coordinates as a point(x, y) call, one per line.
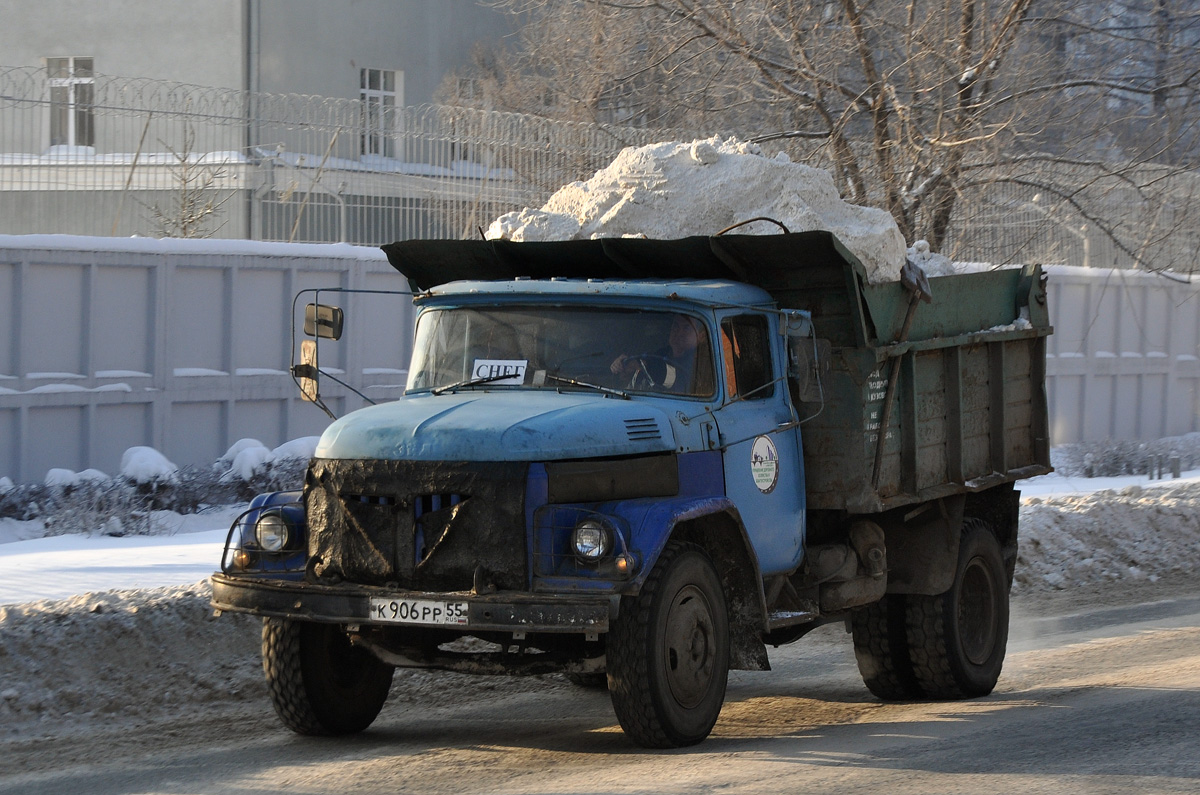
point(498, 426)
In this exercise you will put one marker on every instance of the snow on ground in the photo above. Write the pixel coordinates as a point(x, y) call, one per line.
point(76, 647)
point(58, 567)
point(1073, 529)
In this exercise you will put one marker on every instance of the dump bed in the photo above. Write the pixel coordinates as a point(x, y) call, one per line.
point(968, 403)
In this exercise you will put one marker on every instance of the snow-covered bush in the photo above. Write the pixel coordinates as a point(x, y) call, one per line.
point(145, 466)
point(76, 502)
point(92, 502)
point(251, 468)
point(1115, 459)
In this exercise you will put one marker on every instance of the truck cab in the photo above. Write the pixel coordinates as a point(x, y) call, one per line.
point(587, 474)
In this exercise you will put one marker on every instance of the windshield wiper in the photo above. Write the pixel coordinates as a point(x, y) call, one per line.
point(487, 379)
point(574, 382)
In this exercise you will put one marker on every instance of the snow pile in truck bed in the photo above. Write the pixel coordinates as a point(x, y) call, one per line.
point(674, 189)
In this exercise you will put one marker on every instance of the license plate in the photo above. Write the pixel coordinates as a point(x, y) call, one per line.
point(418, 611)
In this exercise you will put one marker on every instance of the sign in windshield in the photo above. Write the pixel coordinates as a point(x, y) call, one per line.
point(562, 348)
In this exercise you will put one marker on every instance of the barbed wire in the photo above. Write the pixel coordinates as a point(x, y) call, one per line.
point(443, 170)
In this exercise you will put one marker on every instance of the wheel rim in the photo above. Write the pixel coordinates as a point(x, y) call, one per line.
point(977, 615)
point(690, 651)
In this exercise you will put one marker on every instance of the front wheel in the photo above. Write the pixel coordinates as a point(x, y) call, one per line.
point(319, 682)
point(957, 639)
point(668, 652)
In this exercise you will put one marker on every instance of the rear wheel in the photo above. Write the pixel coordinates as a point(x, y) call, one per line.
point(319, 682)
point(881, 649)
point(668, 652)
point(957, 640)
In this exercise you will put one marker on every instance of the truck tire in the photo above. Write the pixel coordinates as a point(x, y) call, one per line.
point(668, 652)
point(319, 683)
point(881, 649)
point(957, 639)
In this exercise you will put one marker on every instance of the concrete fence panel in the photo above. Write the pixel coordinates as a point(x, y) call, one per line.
point(1122, 363)
point(183, 345)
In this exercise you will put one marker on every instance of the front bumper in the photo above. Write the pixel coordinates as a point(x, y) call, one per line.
point(350, 604)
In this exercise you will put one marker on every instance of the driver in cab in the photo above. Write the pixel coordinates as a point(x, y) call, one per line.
point(673, 368)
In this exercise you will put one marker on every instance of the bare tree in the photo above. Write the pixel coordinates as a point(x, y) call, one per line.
point(922, 108)
point(195, 201)
point(590, 62)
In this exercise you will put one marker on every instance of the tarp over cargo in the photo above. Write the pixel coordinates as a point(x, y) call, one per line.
point(741, 258)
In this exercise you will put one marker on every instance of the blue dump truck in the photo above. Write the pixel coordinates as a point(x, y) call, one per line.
point(640, 463)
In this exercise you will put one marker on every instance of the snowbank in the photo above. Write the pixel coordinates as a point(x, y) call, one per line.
point(674, 189)
point(122, 655)
point(1136, 533)
point(147, 654)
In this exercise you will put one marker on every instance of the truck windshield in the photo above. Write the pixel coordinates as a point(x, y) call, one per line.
point(562, 348)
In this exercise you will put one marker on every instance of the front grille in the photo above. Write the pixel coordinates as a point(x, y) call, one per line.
point(426, 507)
point(428, 503)
point(434, 526)
point(370, 499)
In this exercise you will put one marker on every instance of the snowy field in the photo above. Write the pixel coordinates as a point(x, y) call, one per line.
point(117, 631)
point(1072, 529)
point(61, 566)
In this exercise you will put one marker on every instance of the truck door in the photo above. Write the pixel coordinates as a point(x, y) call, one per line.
point(764, 470)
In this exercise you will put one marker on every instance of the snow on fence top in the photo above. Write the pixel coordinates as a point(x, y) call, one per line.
point(674, 189)
point(191, 246)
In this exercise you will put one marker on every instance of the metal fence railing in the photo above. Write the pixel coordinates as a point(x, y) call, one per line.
point(1098, 216)
point(156, 159)
point(166, 159)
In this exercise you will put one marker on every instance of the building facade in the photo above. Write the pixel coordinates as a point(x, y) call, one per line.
point(265, 119)
point(273, 46)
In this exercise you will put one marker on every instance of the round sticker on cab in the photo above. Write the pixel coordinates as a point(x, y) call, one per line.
point(764, 464)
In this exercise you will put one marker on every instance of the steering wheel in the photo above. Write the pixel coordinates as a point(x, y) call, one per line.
point(652, 371)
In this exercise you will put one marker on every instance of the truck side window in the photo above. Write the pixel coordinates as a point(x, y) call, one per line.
point(746, 350)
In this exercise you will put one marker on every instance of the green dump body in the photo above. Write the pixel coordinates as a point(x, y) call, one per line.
point(969, 408)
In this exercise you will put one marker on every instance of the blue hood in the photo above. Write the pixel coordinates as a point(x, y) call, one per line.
point(524, 425)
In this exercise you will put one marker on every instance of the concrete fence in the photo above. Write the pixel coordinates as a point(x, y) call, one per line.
point(1122, 362)
point(184, 345)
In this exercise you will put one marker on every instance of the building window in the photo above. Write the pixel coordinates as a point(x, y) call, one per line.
point(72, 93)
point(468, 90)
point(382, 91)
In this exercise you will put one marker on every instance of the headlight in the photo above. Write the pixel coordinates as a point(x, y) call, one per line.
point(592, 539)
point(272, 532)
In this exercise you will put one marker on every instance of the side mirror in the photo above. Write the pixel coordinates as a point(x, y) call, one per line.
point(808, 367)
point(808, 358)
point(321, 320)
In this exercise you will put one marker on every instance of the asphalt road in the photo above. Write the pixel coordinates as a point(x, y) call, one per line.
point(1101, 701)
